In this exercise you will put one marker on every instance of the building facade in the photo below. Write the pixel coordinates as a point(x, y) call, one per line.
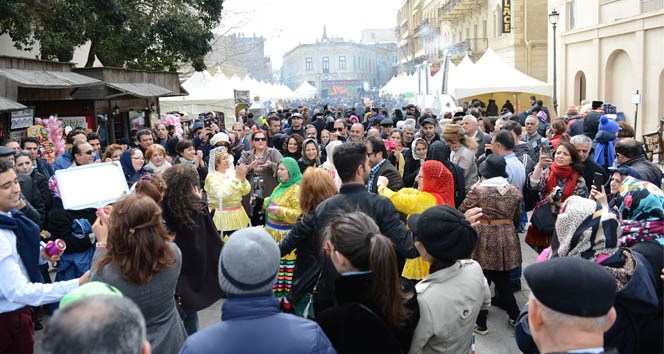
point(240, 55)
point(609, 49)
point(515, 29)
point(338, 67)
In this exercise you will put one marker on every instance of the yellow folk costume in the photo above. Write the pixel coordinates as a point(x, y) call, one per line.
point(437, 188)
point(287, 197)
point(227, 189)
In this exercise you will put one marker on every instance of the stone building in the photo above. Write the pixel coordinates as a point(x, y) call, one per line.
point(335, 66)
point(607, 50)
point(240, 55)
point(430, 28)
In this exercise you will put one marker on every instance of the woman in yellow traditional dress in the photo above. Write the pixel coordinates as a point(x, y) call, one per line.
point(283, 209)
point(225, 187)
point(435, 185)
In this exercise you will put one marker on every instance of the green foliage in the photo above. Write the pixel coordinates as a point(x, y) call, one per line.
point(139, 34)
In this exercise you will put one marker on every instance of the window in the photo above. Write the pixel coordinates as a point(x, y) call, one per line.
point(308, 64)
point(571, 15)
point(342, 62)
point(326, 64)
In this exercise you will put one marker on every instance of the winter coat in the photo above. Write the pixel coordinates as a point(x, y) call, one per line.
point(645, 168)
point(198, 285)
point(356, 325)
point(450, 300)
point(353, 197)
point(255, 324)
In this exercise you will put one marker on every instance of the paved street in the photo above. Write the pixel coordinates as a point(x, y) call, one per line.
point(499, 340)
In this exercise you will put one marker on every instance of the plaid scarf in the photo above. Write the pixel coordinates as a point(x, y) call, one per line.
point(373, 174)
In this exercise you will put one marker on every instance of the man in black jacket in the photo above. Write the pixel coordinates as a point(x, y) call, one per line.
point(381, 166)
point(629, 152)
point(583, 146)
point(353, 196)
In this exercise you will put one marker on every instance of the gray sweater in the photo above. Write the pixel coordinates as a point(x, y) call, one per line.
point(156, 299)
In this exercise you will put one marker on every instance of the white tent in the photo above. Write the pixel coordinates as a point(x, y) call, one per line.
point(306, 90)
point(205, 94)
point(492, 75)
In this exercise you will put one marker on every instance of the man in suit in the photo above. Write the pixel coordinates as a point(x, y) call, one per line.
point(380, 166)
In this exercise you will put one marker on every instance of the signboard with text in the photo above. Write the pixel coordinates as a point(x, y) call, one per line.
point(74, 122)
point(241, 96)
point(507, 16)
point(22, 119)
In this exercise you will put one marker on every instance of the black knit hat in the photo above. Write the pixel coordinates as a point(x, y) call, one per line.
point(493, 166)
point(444, 232)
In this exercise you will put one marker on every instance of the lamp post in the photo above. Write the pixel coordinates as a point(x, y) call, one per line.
point(553, 19)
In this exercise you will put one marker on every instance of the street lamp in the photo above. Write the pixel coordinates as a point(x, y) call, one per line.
point(553, 19)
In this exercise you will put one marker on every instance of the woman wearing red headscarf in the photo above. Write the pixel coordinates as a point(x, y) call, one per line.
point(435, 186)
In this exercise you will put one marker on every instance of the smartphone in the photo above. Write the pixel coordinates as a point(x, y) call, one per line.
point(598, 181)
point(208, 122)
point(546, 150)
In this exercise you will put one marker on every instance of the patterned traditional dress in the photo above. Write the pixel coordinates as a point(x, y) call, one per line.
point(287, 197)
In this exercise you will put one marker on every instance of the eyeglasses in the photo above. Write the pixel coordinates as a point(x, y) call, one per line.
point(370, 153)
point(89, 152)
point(339, 129)
point(260, 139)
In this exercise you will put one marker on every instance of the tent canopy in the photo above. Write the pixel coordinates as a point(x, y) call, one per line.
point(491, 75)
point(306, 90)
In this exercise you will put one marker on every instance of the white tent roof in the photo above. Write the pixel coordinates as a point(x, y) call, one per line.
point(306, 90)
point(491, 74)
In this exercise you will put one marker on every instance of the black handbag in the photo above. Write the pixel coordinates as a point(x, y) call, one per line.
point(543, 219)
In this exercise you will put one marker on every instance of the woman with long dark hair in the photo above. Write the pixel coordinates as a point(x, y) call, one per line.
point(375, 312)
point(187, 216)
point(136, 254)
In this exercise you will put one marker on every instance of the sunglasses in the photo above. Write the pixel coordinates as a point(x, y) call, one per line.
point(260, 139)
point(339, 129)
point(89, 152)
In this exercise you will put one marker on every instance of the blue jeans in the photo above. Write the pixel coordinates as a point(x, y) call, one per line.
point(74, 265)
point(190, 322)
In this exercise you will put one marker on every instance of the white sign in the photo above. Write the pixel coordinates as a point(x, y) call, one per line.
point(636, 98)
point(91, 186)
point(74, 122)
point(22, 119)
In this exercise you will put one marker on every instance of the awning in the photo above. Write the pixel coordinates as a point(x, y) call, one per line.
point(47, 79)
point(142, 90)
point(8, 105)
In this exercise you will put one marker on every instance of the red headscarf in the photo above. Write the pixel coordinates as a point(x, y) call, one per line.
point(566, 173)
point(438, 180)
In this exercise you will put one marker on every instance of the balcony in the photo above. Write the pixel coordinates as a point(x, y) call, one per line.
point(456, 9)
point(473, 47)
point(651, 5)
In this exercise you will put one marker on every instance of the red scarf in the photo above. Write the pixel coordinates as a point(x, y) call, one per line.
point(565, 173)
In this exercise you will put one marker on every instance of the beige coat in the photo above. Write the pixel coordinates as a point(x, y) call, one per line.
point(450, 300)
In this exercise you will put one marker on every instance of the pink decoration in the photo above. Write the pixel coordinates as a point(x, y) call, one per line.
point(174, 120)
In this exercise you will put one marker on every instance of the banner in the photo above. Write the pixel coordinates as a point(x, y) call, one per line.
point(241, 96)
point(22, 119)
point(74, 122)
point(507, 16)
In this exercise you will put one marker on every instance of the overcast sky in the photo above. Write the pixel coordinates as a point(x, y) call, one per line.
point(287, 23)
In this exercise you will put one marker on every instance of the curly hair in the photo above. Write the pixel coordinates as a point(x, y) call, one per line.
point(180, 201)
point(108, 153)
point(138, 243)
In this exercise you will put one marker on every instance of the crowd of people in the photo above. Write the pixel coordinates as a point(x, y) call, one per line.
point(345, 229)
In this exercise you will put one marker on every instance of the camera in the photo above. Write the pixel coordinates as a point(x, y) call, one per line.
point(557, 194)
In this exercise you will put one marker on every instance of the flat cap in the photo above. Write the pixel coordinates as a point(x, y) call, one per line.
point(573, 286)
point(5, 151)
